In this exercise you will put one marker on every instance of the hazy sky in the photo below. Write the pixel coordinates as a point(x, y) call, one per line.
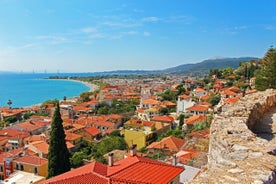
point(103, 35)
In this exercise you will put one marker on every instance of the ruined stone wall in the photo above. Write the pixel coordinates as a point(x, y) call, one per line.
point(236, 154)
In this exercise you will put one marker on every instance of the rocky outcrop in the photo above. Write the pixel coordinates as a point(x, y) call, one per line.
point(236, 153)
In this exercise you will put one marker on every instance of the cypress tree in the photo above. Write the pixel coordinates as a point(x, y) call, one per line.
point(58, 154)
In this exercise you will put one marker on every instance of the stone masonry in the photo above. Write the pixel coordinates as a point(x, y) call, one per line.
point(240, 140)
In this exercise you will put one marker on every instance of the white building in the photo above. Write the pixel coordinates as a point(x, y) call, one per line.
point(183, 103)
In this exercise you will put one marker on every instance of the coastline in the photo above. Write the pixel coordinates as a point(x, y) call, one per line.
point(92, 87)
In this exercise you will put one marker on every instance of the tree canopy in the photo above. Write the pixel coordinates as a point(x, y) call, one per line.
point(266, 76)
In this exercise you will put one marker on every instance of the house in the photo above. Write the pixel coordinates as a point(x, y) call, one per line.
point(199, 92)
point(142, 133)
point(189, 173)
point(167, 145)
point(21, 176)
point(149, 103)
point(32, 127)
point(11, 139)
point(74, 139)
point(164, 119)
point(197, 110)
point(40, 148)
point(131, 170)
point(191, 121)
point(22, 159)
point(183, 102)
point(91, 133)
point(185, 156)
point(139, 132)
point(31, 164)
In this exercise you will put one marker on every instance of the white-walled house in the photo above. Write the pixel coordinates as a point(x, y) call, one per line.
point(183, 103)
point(199, 92)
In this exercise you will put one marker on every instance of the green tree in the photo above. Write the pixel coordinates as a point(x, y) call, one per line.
point(181, 121)
point(106, 146)
point(9, 103)
point(214, 100)
point(76, 159)
point(266, 77)
point(58, 155)
point(164, 111)
point(181, 89)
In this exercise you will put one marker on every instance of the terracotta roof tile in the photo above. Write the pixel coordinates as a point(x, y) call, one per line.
point(129, 170)
point(200, 108)
point(146, 171)
point(92, 130)
point(194, 119)
point(31, 159)
point(184, 97)
point(171, 143)
point(151, 102)
point(163, 118)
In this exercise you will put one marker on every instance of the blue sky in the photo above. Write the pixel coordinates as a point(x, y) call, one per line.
point(102, 35)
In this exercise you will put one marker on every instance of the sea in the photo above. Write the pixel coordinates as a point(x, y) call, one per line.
point(33, 88)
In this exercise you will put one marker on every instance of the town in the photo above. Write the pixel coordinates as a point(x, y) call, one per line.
point(158, 123)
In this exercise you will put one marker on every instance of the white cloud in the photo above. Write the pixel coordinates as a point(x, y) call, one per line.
point(120, 25)
point(88, 30)
point(130, 33)
point(180, 19)
point(146, 33)
point(97, 35)
point(270, 27)
point(53, 40)
point(240, 27)
point(150, 19)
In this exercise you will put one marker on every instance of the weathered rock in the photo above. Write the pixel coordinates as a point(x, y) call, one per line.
point(236, 154)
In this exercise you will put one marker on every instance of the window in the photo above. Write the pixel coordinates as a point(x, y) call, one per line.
point(1, 168)
point(22, 167)
point(35, 170)
point(17, 166)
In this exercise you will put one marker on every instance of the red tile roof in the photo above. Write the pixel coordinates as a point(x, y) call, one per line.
point(151, 102)
point(168, 103)
point(132, 170)
point(184, 97)
point(92, 131)
point(41, 146)
point(198, 89)
point(163, 119)
point(231, 100)
point(144, 170)
point(205, 97)
point(30, 159)
point(200, 134)
point(171, 143)
point(194, 119)
point(92, 174)
point(71, 136)
point(200, 108)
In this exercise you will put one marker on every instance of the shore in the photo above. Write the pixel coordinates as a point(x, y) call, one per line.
point(92, 87)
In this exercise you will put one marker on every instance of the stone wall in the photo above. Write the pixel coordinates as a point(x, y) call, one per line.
point(236, 154)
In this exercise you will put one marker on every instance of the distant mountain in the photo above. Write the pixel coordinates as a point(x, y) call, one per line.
point(206, 65)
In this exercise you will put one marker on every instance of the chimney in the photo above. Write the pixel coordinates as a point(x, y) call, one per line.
point(133, 150)
point(174, 160)
point(110, 159)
